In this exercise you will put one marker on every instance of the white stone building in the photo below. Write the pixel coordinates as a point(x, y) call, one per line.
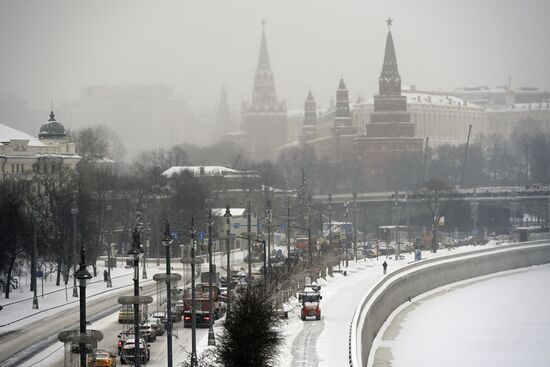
point(23, 155)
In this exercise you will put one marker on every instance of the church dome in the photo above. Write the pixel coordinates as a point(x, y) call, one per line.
point(52, 128)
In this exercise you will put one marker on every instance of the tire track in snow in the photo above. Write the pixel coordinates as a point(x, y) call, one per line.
point(304, 348)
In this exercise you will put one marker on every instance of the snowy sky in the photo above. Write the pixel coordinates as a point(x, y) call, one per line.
point(50, 49)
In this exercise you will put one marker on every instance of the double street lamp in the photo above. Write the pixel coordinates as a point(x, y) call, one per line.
point(134, 252)
point(167, 241)
point(82, 275)
point(192, 231)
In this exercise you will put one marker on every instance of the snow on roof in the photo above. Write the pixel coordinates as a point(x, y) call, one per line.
point(235, 212)
point(522, 107)
point(425, 98)
point(8, 133)
point(197, 170)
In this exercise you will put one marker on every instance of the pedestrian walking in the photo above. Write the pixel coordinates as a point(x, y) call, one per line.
point(105, 275)
point(384, 266)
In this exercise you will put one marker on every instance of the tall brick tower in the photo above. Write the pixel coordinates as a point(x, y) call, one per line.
point(390, 136)
point(310, 118)
point(264, 119)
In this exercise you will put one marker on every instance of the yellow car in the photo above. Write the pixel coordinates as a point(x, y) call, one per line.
point(102, 358)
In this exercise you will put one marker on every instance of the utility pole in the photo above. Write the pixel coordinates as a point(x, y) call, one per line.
point(143, 227)
point(211, 335)
point(354, 226)
point(249, 244)
point(192, 231)
point(109, 208)
point(268, 219)
point(330, 227)
point(287, 202)
point(135, 251)
point(34, 261)
point(83, 275)
point(346, 232)
point(227, 216)
point(167, 241)
point(466, 148)
point(74, 212)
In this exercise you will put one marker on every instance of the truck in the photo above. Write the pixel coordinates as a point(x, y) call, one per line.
point(303, 244)
point(202, 305)
point(310, 298)
point(126, 314)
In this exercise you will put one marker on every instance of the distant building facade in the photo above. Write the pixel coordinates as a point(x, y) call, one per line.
point(144, 117)
point(441, 117)
point(23, 156)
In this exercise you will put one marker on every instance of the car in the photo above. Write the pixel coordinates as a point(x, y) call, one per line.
point(102, 358)
point(127, 352)
point(158, 325)
point(147, 332)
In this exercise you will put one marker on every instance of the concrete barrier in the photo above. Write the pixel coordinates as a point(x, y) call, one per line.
point(423, 276)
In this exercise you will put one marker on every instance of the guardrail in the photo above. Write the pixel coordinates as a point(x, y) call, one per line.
point(421, 277)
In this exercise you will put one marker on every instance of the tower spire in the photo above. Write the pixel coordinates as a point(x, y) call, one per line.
point(263, 60)
point(390, 80)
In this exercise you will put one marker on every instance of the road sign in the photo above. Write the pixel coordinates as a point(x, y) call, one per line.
point(201, 236)
point(236, 225)
point(174, 235)
point(283, 225)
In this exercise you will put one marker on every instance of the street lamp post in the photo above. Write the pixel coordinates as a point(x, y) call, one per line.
point(211, 335)
point(192, 231)
point(354, 227)
point(134, 252)
point(167, 241)
point(268, 220)
point(249, 243)
point(396, 218)
point(145, 243)
point(330, 228)
point(82, 275)
point(308, 228)
point(346, 232)
point(34, 256)
point(227, 216)
point(287, 202)
point(74, 212)
point(265, 264)
point(109, 282)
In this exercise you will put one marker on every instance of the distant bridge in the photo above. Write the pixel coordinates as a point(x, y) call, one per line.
point(499, 193)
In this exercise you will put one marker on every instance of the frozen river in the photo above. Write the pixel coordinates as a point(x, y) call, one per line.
point(498, 320)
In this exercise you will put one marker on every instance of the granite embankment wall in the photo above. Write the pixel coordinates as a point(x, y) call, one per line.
point(423, 276)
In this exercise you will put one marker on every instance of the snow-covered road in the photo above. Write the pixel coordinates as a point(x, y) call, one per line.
point(308, 343)
point(325, 343)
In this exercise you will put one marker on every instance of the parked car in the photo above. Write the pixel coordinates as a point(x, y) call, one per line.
point(102, 358)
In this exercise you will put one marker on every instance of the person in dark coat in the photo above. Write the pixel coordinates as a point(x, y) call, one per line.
point(105, 275)
point(384, 266)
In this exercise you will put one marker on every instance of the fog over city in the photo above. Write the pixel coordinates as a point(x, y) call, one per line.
point(53, 49)
point(294, 183)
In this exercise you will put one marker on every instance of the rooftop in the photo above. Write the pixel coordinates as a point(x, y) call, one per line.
point(8, 133)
